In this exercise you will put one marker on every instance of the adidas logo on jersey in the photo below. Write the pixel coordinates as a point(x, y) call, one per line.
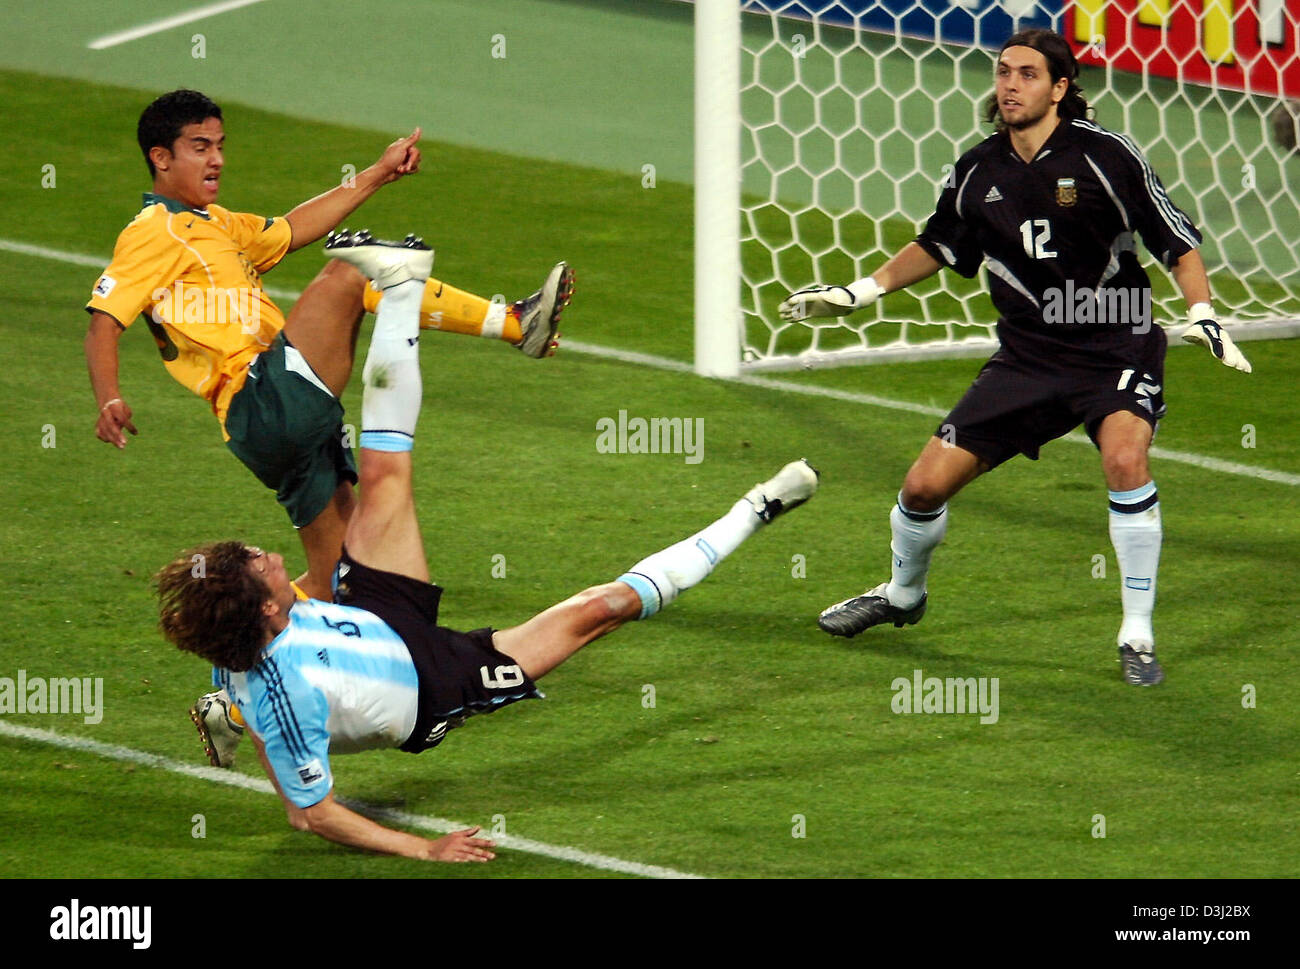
point(994, 195)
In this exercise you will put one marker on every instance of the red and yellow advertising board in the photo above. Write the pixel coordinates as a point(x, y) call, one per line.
point(1246, 45)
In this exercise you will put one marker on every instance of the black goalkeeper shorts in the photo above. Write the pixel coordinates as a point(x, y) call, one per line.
point(1020, 401)
point(460, 673)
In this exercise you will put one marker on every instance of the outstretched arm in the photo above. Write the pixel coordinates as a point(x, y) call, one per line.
point(101, 360)
point(315, 217)
point(910, 265)
point(332, 821)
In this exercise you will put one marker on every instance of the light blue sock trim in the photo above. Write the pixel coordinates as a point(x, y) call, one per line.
point(387, 441)
point(646, 590)
point(1134, 496)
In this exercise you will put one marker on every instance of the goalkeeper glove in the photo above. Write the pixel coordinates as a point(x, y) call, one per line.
point(830, 300)
point(1204, 330)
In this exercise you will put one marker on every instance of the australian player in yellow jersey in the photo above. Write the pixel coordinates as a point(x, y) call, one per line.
point(192, 270)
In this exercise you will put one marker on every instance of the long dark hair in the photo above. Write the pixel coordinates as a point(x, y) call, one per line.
point(1060, 63)
point(210, 604)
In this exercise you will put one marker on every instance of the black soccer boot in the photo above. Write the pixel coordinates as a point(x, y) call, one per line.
point(872, 608)
point(1138, 664)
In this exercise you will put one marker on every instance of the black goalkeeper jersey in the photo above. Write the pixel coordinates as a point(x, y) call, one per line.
point(1057, 235)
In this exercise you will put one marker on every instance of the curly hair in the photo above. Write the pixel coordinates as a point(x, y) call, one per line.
point(161, 123)
point(1060, 64)
point(210, 604)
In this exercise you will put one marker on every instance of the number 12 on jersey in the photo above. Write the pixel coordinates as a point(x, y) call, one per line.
point(1036, 244)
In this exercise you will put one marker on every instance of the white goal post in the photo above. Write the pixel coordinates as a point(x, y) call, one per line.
point(825, 128)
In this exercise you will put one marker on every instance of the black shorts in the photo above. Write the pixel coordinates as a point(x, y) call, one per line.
point(460, 674)
point(1021, 400)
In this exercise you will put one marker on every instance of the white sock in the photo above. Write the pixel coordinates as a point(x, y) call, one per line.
point(915, 536)
point(659, 578)
point(1136, 533)
point(495, 321)
point(390, 403)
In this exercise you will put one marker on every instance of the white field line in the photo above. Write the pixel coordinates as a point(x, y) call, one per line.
point(263, 786)
point(767, 383)
point(167, 23)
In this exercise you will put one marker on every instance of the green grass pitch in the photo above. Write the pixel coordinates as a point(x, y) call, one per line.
point(758, 717)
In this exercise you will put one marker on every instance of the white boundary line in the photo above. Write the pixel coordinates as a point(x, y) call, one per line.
point(812, 390)
point(262, 786)
point(766, 383)
point(167, 23)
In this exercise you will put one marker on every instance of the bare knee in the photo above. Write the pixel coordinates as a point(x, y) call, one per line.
point(344, 284)
point(343, 274)
point(1125, 468)
point(924, 490)
point(940, 472)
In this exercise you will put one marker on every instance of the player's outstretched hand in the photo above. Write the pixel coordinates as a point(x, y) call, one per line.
point(462, 846)
point(113, 417)
point(818, 301)
point(830, 300)
point(402, 157)
point(1209, 334)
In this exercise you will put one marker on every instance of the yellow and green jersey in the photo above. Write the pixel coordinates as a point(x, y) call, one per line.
point(195, 277)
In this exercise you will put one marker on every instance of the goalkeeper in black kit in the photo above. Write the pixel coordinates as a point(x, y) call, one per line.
point(1051, 203)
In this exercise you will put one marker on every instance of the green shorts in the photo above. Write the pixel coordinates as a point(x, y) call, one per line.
point(287, 428)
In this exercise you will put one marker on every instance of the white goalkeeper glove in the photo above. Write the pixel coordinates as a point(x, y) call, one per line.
point(830, 300)
point(1205, 331)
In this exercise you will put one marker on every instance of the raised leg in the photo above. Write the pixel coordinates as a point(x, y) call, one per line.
point(323, 324)
point(551, 637)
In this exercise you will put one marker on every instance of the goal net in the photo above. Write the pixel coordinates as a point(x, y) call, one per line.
point(852, 113)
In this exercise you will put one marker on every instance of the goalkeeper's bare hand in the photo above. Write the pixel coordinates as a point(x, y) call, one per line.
point(1209, 334)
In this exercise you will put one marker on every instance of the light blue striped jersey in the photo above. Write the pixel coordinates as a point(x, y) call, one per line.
point(336, 679)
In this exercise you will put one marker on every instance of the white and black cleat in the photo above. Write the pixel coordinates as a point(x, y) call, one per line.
point(1138, 664)
point(386, 263)
point(788, 488)
point(539, 314)
point(872, 608)
point(217, 729)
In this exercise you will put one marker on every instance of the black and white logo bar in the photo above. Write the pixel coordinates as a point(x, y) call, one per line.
point(102, 923)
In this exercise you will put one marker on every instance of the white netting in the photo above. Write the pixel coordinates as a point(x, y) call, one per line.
point(848, 133)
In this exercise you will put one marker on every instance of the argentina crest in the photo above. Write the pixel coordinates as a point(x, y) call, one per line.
point(1066, 193)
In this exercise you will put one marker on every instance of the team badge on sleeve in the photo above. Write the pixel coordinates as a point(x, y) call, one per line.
point(1066, 193)
point(105, 285)
point(311, 772)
